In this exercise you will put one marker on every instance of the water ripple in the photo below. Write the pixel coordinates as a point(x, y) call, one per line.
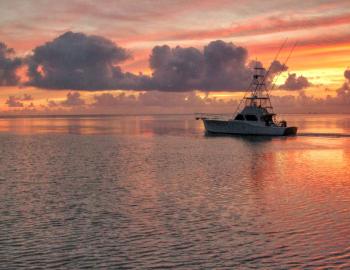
point(173, 200)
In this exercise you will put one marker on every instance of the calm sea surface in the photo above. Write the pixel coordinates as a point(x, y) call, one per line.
point(154, 192)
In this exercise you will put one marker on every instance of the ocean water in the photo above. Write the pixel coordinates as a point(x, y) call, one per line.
point(153, 192)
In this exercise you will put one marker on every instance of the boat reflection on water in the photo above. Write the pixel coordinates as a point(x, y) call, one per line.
point(248, 138)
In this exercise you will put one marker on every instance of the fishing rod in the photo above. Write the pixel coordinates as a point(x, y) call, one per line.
point(275, 59)
point(284, 64)
point(279, 73)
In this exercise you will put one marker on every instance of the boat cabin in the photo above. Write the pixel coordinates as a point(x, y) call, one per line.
point(257, 114)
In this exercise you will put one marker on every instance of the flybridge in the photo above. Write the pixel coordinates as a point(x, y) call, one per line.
point(259, 93)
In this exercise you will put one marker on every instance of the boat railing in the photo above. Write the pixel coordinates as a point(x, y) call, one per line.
point(212, 116)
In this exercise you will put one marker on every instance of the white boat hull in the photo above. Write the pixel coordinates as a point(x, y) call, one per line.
point(245, 128)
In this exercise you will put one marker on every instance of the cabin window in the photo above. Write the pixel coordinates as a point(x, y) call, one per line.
point(251, 117)
point(239, 117)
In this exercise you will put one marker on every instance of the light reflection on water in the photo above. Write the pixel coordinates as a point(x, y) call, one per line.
point(154, 191)
point(122, 125)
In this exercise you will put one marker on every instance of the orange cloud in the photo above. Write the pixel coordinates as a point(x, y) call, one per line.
point(257, 26)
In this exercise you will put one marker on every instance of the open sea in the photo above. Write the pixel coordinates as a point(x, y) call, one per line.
point(154, 192)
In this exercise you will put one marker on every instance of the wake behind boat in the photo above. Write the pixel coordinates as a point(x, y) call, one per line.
point(257, 116)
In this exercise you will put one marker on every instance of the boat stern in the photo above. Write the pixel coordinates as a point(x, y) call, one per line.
point(290, 131)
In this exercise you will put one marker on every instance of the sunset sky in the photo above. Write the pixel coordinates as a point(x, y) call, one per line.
point(123, 56)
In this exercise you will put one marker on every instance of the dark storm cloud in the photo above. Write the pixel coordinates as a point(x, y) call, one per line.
point(77, 61)
point(295, 83)
point(8, 66)
point(80, 62)
point(276, 67)
point(220, 66)
point(225, 67)
point(177, 69)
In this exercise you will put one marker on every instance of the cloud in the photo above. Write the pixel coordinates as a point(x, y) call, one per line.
point(259, 26)
point(192, 102)
point(226, 66)
point(276, 68)
point(73, 99)
point(220, 66)
point(162, 101)
point(52, 104)
point(171, 100)
point(77, 61)
point(177, 69)
point(303, 103)
point(343, 93)
point(8, 66)
point(187, 102)
point(14, 102)
point(27, 97)
point(295, 83)
point(109, 100)
point(347, 74)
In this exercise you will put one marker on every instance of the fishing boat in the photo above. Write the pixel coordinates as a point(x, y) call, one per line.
point(257, 116)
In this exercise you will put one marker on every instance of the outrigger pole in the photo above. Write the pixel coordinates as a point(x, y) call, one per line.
point(284, 64)
point(275, 59)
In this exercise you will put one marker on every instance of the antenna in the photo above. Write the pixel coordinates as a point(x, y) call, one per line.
point(277, 54)
point(290, 53)
point(284, 64)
